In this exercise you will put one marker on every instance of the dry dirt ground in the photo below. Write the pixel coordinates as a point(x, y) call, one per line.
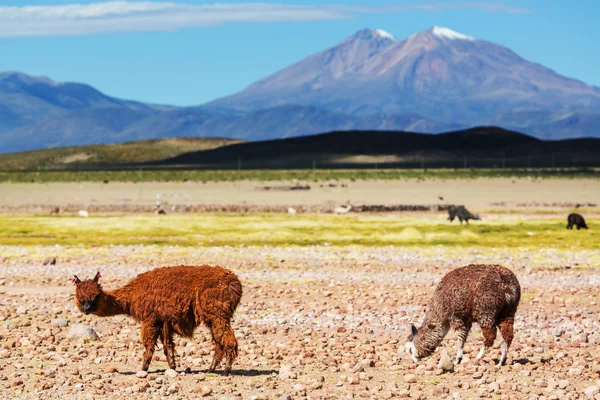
point(476, 193)
point(314, 322)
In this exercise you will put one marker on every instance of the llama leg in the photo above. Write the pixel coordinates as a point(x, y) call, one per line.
point(507, 332)
point(489, 335)
point(216, 313)
point(150, 332)
point(462, 331)
point(168, 345)
point(225, 339)
point(218, 356)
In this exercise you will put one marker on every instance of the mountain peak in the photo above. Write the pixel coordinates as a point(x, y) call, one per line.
point(384, 34)
point(369, 34)
point(447, 33)
point(26, 79)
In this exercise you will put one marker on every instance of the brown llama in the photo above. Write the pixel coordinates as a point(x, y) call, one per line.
point(172, 300)
point(486, 294)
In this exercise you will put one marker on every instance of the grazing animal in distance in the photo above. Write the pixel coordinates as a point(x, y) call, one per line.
point(342, 209)
point(160, 211)
point(83, 213)
point(291, 211)
point(171, 300)
point(576, 220)
point(486, 294)
point(462, 213)
point(55, 211)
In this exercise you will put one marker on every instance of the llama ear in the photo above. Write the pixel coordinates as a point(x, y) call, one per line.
point(98, 276)
point(76, 280)
point(413, 332)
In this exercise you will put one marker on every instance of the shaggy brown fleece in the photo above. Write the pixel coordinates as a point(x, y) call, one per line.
point(172, 300)
point(486, 294)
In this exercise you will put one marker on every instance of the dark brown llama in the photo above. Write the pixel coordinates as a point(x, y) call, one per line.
point(172, 300)
point(577, 220)
point(486, 294)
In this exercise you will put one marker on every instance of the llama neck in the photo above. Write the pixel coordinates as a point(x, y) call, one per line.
point(112, 303)
point(429, 338)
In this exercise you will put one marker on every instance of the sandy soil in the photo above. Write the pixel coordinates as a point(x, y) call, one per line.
point(476, 194)
point(314, 322)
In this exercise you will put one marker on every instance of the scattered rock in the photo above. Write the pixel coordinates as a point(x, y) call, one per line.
point(446, 364)
point(141, 374)
point(79, 331)
point(171, 373)
point(60, 322)
point(286, 372)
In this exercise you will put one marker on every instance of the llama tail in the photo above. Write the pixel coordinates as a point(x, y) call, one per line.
point(234, 287)
point(512, 292)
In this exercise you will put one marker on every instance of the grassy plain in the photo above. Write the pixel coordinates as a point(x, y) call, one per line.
point(107, 154)
point(283, 230)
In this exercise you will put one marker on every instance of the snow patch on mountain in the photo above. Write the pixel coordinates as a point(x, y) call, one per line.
point(384, 34)
point(448, 33)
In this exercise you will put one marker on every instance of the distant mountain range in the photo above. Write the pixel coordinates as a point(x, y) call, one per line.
point(434, 81)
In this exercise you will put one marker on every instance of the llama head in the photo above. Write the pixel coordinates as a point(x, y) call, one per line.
point(410, 344)
point(87, 292)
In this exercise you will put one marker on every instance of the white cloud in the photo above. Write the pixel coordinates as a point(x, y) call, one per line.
point(129, 16)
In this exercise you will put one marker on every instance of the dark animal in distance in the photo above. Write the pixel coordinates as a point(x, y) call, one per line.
point(486, 294)
point(462, 214)
point(160, 211)
point(55, 211)
point(172, 300)
point(577, 220)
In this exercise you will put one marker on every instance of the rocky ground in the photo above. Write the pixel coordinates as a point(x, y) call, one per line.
point(316, 322)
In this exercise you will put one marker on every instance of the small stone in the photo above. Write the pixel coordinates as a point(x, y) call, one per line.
point(203, 391)
point(172, 389)
point(584, 338)
point(285, 372)
point(299, 388)
point(590, 391)
point(171, 373)
point(22, 310)
point(558, 331)
point(446, 364)
point(353, 380)
point(141, 374)
point(60, 322)
point(563, 383)
point(79, 331)
point(477, 375)
point(110, 370)
point(410, 378)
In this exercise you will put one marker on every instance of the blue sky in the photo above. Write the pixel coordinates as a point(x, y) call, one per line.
point(189, 52)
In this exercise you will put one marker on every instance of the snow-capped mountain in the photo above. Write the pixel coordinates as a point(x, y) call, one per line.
point(433, 81)
point(438, 73)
